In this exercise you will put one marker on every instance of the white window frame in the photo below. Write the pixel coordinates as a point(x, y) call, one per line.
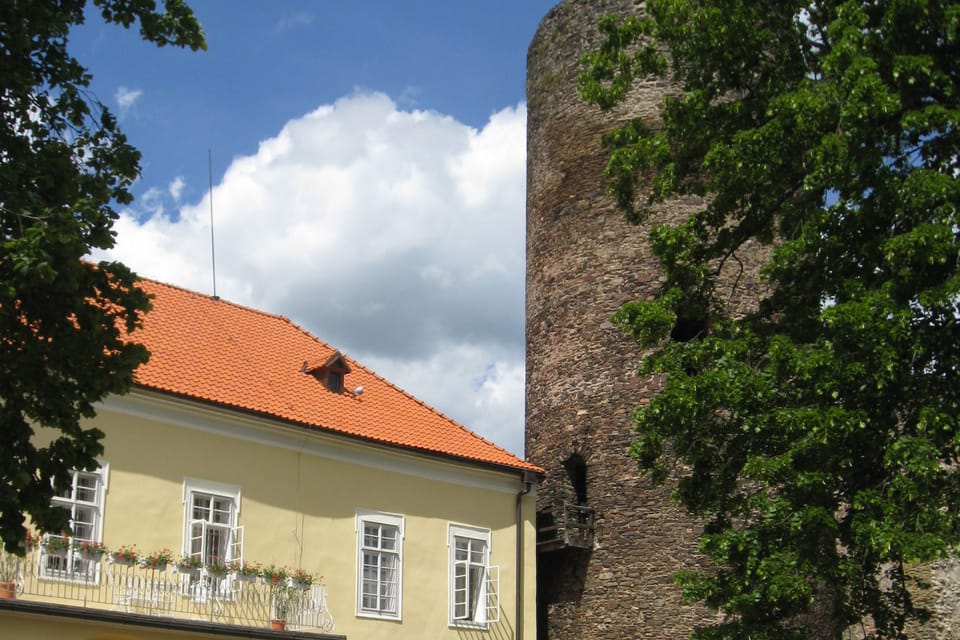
point(202, 586)
point(76, 569)
point(363, 518)
point(487, 600)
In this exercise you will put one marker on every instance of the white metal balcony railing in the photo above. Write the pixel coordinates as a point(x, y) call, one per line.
point(130, 588)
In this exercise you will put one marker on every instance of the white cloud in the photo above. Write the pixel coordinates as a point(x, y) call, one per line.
point(151, 203)
point(397, 236)
point(484, 387)
point(493, 159)
point(126, 98)
point(175, 188)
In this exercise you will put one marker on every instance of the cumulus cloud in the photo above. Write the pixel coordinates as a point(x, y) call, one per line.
point(126, 98)
point(395, 235)
point(483, 385)
point(175, 188)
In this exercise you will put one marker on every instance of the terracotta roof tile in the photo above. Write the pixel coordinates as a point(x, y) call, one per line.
point(223, 353)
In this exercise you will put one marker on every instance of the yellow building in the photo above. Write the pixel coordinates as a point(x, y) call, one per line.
point(250, 444)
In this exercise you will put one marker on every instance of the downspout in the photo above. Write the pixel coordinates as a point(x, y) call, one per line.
point(528, 479)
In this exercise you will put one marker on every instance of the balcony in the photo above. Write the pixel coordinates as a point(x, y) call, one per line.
point(571, 527)
point(200, 596)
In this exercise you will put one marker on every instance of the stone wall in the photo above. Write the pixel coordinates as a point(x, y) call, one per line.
point(583, 261)
point(942, 600)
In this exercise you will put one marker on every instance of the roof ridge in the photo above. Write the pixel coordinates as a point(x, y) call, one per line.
point(215, 298)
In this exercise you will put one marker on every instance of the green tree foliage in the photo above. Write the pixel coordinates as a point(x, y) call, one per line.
point(817, 435)
point(63, 165)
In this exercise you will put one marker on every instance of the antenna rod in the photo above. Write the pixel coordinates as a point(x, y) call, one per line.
point(213, 248)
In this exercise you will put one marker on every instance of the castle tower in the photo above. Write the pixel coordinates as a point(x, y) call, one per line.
point(609, 543)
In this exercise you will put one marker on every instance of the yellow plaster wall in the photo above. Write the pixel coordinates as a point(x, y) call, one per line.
point(299, 509)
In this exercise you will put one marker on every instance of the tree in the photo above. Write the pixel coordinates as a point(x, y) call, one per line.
point(817, 434)
point(63, 321)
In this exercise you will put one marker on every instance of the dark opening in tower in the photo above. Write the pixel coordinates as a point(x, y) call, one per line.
point(693, 322)
point(576, 467)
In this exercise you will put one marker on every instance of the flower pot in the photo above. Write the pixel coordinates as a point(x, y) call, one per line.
point(295, 583)
point(159, 566)
point(217, 575)
point(90, 557)
point(55, 553)
point(193, 572)
point(278, 625)
point(8, 590)
point(123, 562)
point(246, 577)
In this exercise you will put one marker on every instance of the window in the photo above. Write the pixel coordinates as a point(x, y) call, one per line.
point(211, 531)
point(379, 561)
point(335, 381)
point(331, 372)
point(211, 525)
point(474, 584)
point(84, 501)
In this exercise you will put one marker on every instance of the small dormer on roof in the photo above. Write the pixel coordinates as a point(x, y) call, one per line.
point(330, 372)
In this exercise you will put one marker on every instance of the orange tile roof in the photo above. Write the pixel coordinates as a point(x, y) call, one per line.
point(222, 353)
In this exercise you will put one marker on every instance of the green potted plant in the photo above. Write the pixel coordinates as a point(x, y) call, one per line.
point(11, 566)
point(90, 550)
point(285, 602)
point(273, 575)
point(217, 568)
point(190, 565)
point(56, 545)
point(156, 560)
point(245, 572)
point(125, 555)
point(300, 579)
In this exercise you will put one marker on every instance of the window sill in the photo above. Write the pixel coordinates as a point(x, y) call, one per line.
point(468, 624)
point(370, 615)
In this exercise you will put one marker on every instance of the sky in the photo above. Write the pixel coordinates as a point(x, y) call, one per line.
point(367, 162)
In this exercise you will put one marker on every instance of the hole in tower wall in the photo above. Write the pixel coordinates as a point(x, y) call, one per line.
point(576, 467)
point(689, 328)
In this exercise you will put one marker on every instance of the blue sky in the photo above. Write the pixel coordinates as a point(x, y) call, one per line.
point(369, 179)
point(270, 61)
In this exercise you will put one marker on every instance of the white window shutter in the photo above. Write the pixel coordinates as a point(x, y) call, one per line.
point(493, 594)
point(459, 590)
point(235, 552)
point(198, 534)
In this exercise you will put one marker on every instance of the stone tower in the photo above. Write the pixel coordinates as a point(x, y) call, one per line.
point(609, 542)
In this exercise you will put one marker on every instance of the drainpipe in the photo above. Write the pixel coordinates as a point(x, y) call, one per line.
point(527, 479)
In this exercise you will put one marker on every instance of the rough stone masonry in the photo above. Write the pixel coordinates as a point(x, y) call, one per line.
point(583, 261)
